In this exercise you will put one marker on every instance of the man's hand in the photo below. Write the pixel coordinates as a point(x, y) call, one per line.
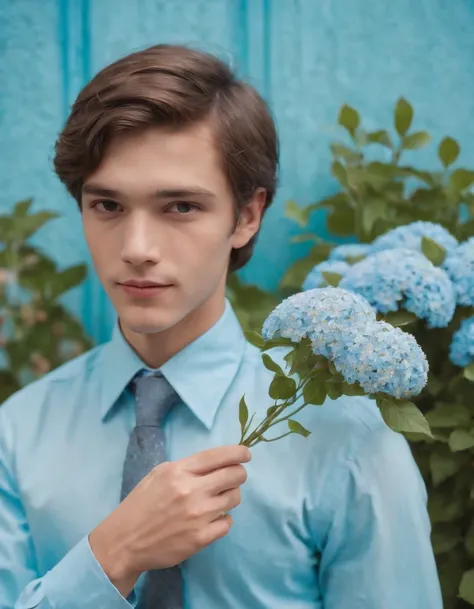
point(174, 512)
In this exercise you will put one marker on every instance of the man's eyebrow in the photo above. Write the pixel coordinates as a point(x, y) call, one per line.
point(101, 191)
point(162, 193)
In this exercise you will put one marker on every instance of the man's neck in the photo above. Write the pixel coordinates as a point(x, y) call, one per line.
point(156, 349)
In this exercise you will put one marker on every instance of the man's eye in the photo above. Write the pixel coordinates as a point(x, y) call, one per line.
point(106, 206)
point(184, 208)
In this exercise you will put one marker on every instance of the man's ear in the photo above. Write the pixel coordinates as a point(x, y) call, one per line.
point(249, 219)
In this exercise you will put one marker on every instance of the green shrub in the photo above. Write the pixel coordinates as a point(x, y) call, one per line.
point(376, 196)
point(37, 333)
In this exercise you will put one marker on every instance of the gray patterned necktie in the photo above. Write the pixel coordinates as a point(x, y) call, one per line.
point(154, 398)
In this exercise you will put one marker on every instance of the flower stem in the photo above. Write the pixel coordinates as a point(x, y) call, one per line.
point(292, 414)
point(262, 439)
point(270, 420)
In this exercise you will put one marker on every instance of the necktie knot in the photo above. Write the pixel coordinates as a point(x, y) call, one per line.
point(154, 398)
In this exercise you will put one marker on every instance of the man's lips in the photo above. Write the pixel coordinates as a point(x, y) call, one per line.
point(144, 289)
point(143, 283)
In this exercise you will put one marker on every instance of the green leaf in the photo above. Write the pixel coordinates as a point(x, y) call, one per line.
point(314, 392)
point(323, 376)
point(444, 465)
point(423, 197)
point(22, 208)
point(448, 151)
point(304, 237)
point(349, 118)
point(243, 414)
point(346, 153)
point(466, 588)
point(301, 358)
point(28, 225)
point(469, 372)
point(334, 390)
point(373, 210)
point(331, 279)
point(339, 172)
point(37, 276)
point(294, 212)
point(334, 201)
point(65, 280)
point(379, 175)
point(6, 230)
point(461, 439)
point(433, 251)
point(448, 415)
point(403, 116)
point(296, 427)
point(255, 338)
point(271, 365)
point(411, 172)
point(400, 318)
point(282, 388)
point(360, 139)
point(272, 410)
point(380, 137)
point(290, 358)
point(43, 265)
point(416, 140)
point(404, 416)
point(341, 222)
point(352, 390)
point(279, 341)
point(353, 259)
point(462, 179)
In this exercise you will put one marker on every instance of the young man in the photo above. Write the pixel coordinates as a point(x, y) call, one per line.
point(107, 504)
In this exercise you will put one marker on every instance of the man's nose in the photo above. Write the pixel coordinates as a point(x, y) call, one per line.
point(140, 241)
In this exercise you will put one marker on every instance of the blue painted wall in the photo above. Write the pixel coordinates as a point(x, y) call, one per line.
point(306, 57)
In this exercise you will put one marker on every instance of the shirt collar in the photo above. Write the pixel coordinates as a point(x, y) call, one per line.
point(201, 373)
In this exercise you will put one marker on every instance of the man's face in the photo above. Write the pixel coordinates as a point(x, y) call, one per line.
point(159, 221)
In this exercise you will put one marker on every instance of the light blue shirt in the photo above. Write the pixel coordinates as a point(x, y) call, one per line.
point(335, 521)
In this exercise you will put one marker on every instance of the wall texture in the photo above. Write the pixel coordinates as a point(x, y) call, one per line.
point(306, 57)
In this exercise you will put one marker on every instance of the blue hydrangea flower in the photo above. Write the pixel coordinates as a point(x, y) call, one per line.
point(460, 267)
point(349, 250)
point(404, 278)
point(382, 358)
point(410, 235)
point(322, 314)
point(461, 351)
point(315, 277)
point(342, 326)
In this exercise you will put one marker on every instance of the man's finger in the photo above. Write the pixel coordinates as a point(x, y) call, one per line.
point(215, 458)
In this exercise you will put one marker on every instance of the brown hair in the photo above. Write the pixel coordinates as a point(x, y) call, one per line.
point(173, 86)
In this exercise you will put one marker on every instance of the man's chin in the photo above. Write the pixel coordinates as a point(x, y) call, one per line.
point(146, 324)
point(147, 329)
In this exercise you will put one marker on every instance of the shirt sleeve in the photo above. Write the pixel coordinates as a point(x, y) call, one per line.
point(377, 552)
point(76, 582)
